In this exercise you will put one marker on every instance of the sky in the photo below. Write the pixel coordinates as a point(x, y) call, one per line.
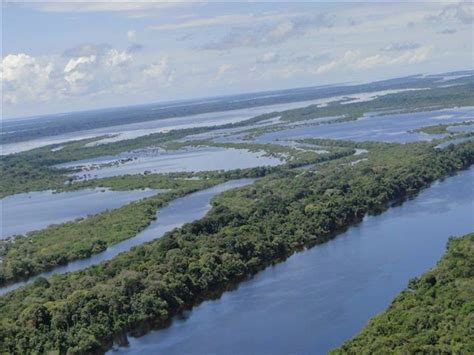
point(71, 56)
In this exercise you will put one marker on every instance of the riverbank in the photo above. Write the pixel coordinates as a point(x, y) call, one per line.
point(247, 230)
point(432, 315)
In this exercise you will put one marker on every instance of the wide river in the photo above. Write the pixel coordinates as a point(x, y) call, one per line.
point(323, 296)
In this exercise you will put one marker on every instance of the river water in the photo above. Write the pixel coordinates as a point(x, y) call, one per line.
point(393, 128)
point(323, 296)
point(178, 212)
point(26, 212)
point(183, 160)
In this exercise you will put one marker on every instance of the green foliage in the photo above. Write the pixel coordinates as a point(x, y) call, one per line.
point(28, 255)
point(246, 230)
point(25, 256)
point(31, 170)
point(22, 175)
point(441, 128)
point(434, 315)
point(410, 101)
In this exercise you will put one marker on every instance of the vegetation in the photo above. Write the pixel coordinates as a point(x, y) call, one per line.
point(441, 128)
point(21, 175)
point(410, 101)
point(434, 315)
point(47, 126)
point(286, 153)
point(28, 255)
point(246, 230)
point(25, 256)
point(32, 170)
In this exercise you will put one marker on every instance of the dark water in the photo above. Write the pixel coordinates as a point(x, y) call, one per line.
point(321, 297)
point(178, 212)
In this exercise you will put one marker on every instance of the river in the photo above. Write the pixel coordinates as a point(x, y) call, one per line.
point(320, 297)
point(27, 212)
point(178, 212)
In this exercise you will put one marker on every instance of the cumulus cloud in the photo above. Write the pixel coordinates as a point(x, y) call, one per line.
point(402, 46)
point(356, 61)
point(270, 33)
point(87, 69)
point(155, 70)
point(95, 72)
point(159, 72)
point(75, 63)
point(115, 57)
point(24, 78)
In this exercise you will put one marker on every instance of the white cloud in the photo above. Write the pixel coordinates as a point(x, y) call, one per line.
point(28, 79)
point(268, 57)
point(74, 63)
point(117, 58)
point(348, 58)
point(76, 77)
point(413, 57)
point(143, 7)
point(24, 78)
point(161, 73)
point(271, 32)
point(355, 60)
point(156, 70)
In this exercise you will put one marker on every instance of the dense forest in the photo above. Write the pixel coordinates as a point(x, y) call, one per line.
point(246, 230)
point(434, 315)
point(31, 254)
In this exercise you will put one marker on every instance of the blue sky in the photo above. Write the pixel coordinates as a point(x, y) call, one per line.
point(68, 56)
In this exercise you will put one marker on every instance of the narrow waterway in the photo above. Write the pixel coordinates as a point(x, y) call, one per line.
point(323, 296)
point(178, 212)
